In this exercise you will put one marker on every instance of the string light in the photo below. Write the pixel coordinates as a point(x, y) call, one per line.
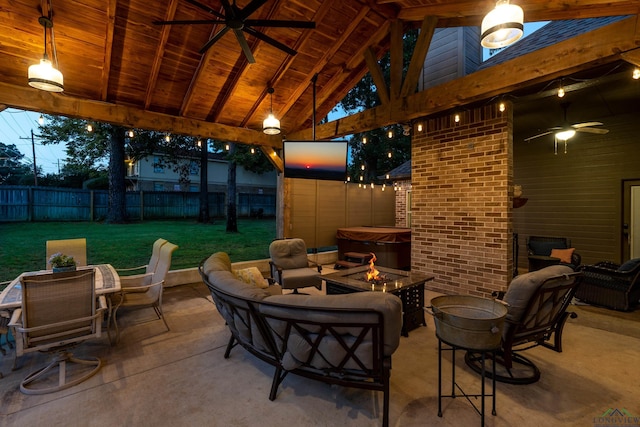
point(130, 134)
point(419, 127)
point(167, 138)
point(348, 179)
point(253, 150)
point(199, 143)
point(389, 154)
point(89, 127)
point(387, 176)
point(41, 120)
point(364, 139)
point(456, 118)
point(390, 133)
point(636, 73)
point(561, 92)
point(502, 107)
point(226, 147)
point(362, 167)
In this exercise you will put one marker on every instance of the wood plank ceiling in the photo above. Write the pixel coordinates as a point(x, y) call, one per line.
point(121, 68)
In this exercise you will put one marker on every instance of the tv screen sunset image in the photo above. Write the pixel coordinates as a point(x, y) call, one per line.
point(315, 160)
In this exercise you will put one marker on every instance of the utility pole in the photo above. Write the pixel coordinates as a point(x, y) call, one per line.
point(33, 149)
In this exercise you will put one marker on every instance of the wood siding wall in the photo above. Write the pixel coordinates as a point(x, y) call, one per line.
point(315, 209)
point(461, 202)
point(579, 194)
point(453, 53)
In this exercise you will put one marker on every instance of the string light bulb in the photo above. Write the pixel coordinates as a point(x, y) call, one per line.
point(390, 133)
point(226, 147)
point(89, 127)
point(456, 118)
point(502, 107)
point(167, 138)
point(636, 73)
point(362, 167)
point(419, 127)
point(364, 139)
point(253, 150)
point(130, 133)
point(389, 154)
point(41, 120)
point(561, 92)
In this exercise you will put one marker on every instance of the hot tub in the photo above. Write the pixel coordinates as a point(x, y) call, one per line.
point(392, 245)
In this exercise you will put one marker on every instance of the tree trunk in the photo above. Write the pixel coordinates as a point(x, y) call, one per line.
point(232, 215)
point(203, 215)
point(116, 212)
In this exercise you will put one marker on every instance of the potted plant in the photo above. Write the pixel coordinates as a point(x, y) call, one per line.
point(61, 262)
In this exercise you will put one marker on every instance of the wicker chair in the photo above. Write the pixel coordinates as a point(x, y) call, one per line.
point(59, 310)
point(611, 285)
point(537, 312)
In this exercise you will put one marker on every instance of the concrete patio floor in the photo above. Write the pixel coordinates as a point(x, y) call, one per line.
point(180, 378)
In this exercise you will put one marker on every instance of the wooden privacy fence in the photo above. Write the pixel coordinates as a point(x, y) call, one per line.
point(20, 203)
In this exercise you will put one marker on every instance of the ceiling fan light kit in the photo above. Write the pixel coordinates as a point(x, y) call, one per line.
point(502, 26)
point(44, 75)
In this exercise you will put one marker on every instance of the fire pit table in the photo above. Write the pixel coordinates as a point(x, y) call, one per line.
point(408, 286)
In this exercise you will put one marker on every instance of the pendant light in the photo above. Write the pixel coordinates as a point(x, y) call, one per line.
point(43, 75)
point(502, 26)
point(271, 125)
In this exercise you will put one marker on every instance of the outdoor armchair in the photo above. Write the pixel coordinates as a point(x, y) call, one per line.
point(77, 248)
point(59, 310)
point(291, 267)
point(144, 290)
point(153, 261)
point(611, 285)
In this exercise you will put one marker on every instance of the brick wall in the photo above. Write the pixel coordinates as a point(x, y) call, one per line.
point(462, 179)
point(401, 187)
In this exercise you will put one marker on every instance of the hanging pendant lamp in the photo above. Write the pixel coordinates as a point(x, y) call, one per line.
point(502, 26)
point(271, 125)
point(43, 75)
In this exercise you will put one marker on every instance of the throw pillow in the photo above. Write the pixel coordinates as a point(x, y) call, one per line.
point(563, 254)
point(629, 265)
point(252, 276)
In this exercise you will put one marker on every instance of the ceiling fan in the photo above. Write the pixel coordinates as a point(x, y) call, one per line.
point(567, 131)
point(236, 19)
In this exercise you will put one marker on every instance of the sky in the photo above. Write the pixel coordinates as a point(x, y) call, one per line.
point(16, 126)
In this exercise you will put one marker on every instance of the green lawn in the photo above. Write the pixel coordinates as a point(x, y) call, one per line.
point(22, 245)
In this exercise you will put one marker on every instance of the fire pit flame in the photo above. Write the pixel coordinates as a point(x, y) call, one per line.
point(373, 275)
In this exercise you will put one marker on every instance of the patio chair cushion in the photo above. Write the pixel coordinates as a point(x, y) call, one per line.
point(629, 265)
point(252, 276)
point(524, 286)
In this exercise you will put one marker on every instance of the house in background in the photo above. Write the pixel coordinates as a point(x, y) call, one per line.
point(149, 175)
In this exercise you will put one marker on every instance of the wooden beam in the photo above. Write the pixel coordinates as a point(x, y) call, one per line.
point(632, 56)
point(585, 51)
point(273, 157)
point(108, 48)
point(26, 98)
point(419, 54)
point(157, 58)
point(396, 59)
point(376, 75)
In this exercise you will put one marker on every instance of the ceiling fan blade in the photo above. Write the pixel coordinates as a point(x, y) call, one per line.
point(267, 39)
point(206, 8)
point(189, 22)
point(213, 39)
point(250, 8)
point(537, 136)
point(585, 124)
point(279, 23)
point(598, 131)
point(245, 46)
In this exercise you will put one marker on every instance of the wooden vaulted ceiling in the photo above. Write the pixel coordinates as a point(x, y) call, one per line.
point(121, 68)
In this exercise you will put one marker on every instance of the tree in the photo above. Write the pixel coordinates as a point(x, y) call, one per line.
point(12, 169)
point(375, 150)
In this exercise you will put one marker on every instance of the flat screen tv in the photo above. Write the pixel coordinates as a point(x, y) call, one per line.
point(315, 160)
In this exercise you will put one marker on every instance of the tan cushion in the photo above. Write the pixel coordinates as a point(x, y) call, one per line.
point(289, 253)
point(563, 254)
point(217, 262)
point(252, 276)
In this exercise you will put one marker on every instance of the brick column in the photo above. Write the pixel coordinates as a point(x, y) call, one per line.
point(462, 178)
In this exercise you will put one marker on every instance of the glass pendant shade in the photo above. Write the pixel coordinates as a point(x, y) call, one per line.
point(45, 77)
point(565, 134)
point(271, 125)
point(502, 26)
